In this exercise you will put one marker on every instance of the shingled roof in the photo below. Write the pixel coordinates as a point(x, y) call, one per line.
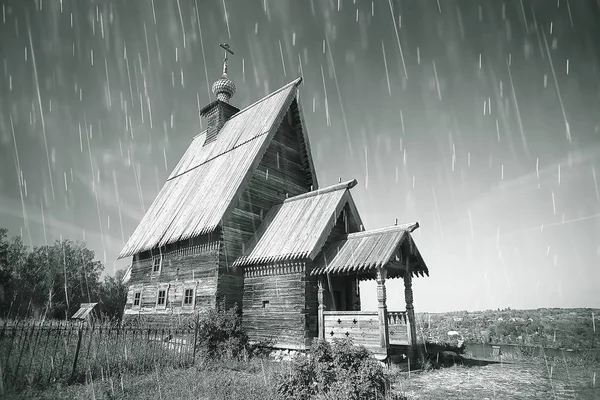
point(299, 227)
point(363, 252)
point(201, 189)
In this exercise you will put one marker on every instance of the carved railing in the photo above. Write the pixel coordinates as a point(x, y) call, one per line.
point(397, 327)
point(362, 327)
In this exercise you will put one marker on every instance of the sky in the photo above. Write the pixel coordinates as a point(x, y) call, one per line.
point(478, 119)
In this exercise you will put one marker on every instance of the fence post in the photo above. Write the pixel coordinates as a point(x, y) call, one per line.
point(79, 336)
point(1, 380)
point(195, 339)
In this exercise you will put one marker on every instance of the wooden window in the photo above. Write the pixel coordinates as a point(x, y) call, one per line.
point(189, 294)
point(265, 303)
point(162, 295)
point(157, 263)
point(137, 299)
point(188, 297)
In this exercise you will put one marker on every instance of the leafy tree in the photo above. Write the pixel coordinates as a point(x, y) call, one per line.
point(13, 255)
point(113, 295)
point(49, 281)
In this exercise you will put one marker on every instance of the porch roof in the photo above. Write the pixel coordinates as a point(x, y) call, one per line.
point(298, 228)
point(363, 252)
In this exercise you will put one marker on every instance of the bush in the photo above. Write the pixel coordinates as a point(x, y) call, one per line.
point(220, 333)
point(337, 371)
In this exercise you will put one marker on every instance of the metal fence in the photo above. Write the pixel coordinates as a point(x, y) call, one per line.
point(40, 354)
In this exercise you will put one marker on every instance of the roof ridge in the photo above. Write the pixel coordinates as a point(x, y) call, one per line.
point(410, 227)
point(338, 186)
point(295, 82)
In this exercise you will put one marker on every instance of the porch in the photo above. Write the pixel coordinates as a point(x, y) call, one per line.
point(363, 328)
point(383, 254)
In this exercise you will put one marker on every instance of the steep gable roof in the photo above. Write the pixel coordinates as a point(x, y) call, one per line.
point(203, 186)
point(298, 227)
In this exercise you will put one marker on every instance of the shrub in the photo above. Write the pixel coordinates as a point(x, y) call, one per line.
point(337, 371)
point(220, 333)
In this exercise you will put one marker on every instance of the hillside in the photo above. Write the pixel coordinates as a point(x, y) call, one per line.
point(559, 328)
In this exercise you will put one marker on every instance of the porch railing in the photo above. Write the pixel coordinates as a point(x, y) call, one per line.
point(363, 327)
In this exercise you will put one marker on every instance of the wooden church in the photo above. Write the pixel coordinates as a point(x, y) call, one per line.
point(242, 219)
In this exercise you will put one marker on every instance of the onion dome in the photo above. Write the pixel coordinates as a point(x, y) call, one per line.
point(223, 88)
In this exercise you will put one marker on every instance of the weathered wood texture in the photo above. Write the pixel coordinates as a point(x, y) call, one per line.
point(194, 267)
point(362, 327)
point(341, 293)
point(274, 307)
point(216, 114)
point(283, 170)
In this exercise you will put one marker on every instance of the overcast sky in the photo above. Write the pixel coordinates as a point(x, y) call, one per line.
point(478, 119)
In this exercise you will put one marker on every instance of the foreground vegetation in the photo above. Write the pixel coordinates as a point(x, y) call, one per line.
point(260, 378)
point(65, 360)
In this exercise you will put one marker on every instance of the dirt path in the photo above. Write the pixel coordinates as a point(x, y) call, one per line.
point(503, 381)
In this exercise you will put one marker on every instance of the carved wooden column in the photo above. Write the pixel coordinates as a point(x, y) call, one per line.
point(382, 308)
point(410, 312)
point(321, 322)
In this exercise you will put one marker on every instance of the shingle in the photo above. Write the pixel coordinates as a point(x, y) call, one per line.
point(84, 310)
point(363, 251)
point(207, 179)
point(298, 226)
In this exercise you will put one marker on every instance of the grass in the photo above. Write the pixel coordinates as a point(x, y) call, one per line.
point(531, 378)
point(223, 380)
point(519, 380)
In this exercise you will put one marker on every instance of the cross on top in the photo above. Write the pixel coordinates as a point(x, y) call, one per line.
point(225, 46)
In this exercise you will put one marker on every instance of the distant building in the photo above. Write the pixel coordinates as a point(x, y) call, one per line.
point(87, 312)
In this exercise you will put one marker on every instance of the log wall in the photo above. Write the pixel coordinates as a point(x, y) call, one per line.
point(194, 267)
point(282, 170)
point(274, 306)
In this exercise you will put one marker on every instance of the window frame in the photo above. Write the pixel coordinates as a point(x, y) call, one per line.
point(137, 289)
point(189, 286)
point(137, 295)
point(158, 257)
point(162, 287)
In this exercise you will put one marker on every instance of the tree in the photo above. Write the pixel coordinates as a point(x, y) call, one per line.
point(50, 281)
point(13, 256)
point(113, 296)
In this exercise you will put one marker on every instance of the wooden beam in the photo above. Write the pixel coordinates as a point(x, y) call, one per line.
point(321, 324)
point(382, 308)
point(410, 312)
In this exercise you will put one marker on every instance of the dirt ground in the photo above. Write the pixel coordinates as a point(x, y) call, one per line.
point(522, 380)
